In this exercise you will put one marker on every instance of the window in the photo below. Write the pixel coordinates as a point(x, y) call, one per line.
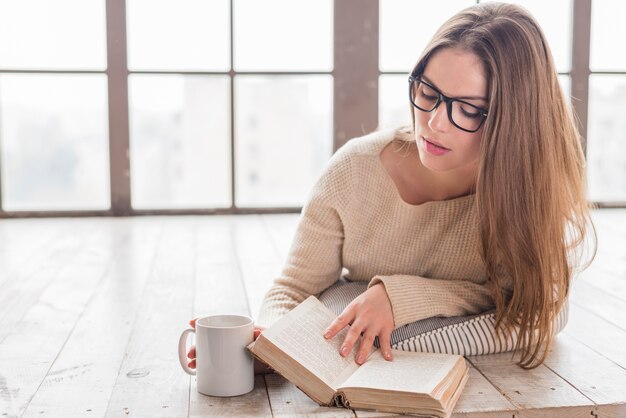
point(606, 147)
point(234, 106)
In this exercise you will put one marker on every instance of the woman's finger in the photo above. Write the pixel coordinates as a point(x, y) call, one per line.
point(192, 352)
point(364, 348)
point(192, 364)
point(339, 323)
point(192, 323)
point(351, 337)
point(385, 344)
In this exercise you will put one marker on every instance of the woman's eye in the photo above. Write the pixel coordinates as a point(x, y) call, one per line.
point(427, 96)
point(470, 113)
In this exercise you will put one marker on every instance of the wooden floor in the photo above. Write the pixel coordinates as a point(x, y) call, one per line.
point(91, 310)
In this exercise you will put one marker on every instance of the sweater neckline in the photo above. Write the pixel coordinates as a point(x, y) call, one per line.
point(394, 189)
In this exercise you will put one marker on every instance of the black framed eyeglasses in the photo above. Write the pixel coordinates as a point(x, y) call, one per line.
point(465, 116)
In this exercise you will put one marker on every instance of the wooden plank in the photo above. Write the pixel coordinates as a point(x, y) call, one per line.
point(610, 260)
point(481, 399)
point(281, 229)
point(598, 378)
point(21, 240)
point(597, 334)
point(257, 258)
point(604, 304)
point(29, 350)
point(289, 401)
point(220, 290)
point(150, 381)
point(253, 404)
point(22, 289)
point(611, 220)
point(606, 262)
point(82, 377)
point(611, 244)
point(23, 233)
point(605, 279)
point(535, 393)
point(219, 285)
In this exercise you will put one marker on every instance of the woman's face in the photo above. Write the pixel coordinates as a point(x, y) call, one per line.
point(442, 146)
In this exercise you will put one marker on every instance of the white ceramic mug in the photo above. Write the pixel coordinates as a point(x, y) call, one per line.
point(224, 367)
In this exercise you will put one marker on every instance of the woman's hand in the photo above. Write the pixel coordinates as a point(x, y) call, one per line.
point(370, 315)
point(259, 367)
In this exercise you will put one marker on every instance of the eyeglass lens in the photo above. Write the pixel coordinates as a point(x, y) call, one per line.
point(427, 99)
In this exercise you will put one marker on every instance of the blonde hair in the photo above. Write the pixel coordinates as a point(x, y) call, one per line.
point(530, 190)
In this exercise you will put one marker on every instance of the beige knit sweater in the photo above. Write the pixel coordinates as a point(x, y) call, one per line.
point(355, 221)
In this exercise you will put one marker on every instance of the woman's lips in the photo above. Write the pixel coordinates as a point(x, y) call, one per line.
point(434, 149)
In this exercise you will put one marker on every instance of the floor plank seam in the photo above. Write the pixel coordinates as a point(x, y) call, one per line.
point(595, 407)
point(269, 398)
point(513, 403)
point(593, 349)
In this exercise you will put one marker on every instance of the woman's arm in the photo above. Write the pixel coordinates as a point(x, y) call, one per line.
point(414, 297)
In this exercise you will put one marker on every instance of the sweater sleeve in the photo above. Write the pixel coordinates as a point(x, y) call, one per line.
point(314, 262)
point(413, 297)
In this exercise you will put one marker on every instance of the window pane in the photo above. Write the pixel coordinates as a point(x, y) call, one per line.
point(283, 35)
point(406, 26)
point(394, 108)
point(607, 35)
point(60, 34)
point(555, 18)
point(179, 141)
point(182, 35)
point(54, 149)
point(283, 137)
point(606, 146)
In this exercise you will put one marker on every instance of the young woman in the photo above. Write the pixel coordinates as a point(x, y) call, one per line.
point(459, 232)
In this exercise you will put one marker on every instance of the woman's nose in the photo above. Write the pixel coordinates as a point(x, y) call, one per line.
point(438, 120)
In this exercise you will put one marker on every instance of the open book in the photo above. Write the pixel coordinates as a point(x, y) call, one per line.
point(419, 383)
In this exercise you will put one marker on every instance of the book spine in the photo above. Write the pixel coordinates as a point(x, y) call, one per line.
point(340, 401)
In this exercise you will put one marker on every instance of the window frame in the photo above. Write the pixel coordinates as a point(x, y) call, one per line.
point(355, 96)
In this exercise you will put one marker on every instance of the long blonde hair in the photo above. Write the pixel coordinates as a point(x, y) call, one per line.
point(530, 191)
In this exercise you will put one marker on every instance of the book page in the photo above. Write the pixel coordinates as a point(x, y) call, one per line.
point(300, 334)
point(408, 372)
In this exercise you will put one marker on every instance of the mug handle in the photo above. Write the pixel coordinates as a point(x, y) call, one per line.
point(182, 355)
